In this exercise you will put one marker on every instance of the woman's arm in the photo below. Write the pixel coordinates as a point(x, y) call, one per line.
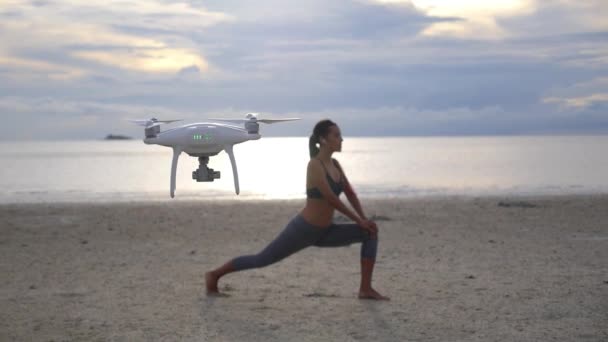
point(350, 193)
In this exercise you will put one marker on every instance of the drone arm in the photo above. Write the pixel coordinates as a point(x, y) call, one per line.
point(235, 174)
point(176, 152)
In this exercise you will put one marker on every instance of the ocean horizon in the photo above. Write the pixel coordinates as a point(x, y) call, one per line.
point(275, 167)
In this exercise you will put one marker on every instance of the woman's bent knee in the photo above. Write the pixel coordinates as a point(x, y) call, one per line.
point(369, 249)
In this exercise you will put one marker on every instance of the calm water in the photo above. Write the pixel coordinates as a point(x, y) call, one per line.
point(274, 168)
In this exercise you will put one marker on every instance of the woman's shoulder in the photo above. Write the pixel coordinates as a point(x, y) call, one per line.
point(314, 163)
point(335, 161)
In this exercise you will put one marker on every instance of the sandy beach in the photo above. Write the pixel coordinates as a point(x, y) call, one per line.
point(456, 269)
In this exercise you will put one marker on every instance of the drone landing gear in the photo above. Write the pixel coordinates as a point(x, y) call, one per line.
point(204, 173)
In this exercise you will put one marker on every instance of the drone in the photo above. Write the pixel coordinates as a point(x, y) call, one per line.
point(204, 140)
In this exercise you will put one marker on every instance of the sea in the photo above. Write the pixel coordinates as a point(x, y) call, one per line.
point(275, 168)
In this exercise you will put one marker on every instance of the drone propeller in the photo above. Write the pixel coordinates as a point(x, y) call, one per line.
point(151, 122)
point(252, 117)
point(271, 121)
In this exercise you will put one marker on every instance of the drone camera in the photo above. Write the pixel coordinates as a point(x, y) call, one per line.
point(205, 174)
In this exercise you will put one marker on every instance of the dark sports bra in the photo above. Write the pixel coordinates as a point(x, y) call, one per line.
point(336, 187)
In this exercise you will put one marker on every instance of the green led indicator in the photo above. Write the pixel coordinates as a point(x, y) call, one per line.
point(206, 137)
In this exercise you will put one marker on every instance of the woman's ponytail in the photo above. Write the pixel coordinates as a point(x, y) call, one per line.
point(312, 145)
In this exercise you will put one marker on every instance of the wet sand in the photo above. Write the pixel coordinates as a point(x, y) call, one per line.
point(456, 269)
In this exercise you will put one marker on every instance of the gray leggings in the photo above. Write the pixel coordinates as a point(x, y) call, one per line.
point(300, 234)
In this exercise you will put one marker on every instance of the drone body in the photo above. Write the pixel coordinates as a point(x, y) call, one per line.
point(201, 138)
point(204, 140)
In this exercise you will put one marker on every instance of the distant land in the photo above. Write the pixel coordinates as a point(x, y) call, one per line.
point(117, 137)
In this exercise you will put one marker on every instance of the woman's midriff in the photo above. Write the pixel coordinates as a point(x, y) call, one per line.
point(318, 212)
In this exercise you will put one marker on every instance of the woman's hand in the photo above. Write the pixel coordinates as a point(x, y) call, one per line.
point(369, 226)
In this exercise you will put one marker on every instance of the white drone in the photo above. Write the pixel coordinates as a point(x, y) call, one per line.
point(203, 140)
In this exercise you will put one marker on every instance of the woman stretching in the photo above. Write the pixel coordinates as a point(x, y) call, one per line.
point(325, 180)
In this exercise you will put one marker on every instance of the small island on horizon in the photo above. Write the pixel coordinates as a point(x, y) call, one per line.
point(117, 137)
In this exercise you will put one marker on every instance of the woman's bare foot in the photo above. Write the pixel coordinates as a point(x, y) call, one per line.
point(371, 294)
point(211, 284)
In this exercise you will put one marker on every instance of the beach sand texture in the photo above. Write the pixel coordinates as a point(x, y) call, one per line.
point(456, 269)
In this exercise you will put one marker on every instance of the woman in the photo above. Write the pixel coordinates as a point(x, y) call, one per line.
point(325, 180)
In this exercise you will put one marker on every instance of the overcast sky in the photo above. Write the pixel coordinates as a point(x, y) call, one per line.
point(78, 69)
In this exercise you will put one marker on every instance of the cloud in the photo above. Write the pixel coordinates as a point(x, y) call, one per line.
point(579, 102)
point(379, 68)
point(580, 95)
point(51, 118)
point(456, 121)
point(471, 19)
point(571, 16)
point(500, 19)
point(94, 37)
point(146, 60)
point(24, 67)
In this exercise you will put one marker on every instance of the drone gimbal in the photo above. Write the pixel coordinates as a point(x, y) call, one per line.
point(204, 173)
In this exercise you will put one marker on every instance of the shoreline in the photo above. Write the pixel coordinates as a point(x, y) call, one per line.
point(497, 268)
point(255, 199)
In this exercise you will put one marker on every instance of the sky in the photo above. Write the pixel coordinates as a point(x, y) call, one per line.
point(80, 69)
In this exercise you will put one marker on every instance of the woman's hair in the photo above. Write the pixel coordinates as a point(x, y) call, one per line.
point(321, 130)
